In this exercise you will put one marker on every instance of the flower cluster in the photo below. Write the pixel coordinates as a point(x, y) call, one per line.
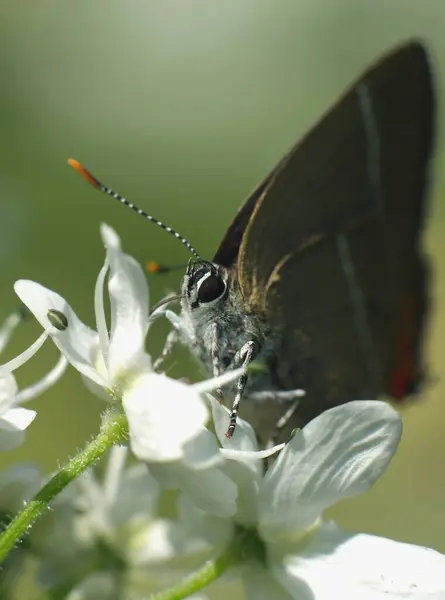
point(109, 535)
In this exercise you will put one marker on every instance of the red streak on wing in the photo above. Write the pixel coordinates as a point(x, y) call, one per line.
point(405, 375)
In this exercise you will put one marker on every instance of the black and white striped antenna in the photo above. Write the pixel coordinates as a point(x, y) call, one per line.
point(103, 188)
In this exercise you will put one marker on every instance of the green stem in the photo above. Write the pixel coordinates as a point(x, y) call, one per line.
point(211, 570)
point(113, 431)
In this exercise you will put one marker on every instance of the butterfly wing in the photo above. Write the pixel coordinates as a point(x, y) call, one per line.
point(227, 253)
point(330, 250)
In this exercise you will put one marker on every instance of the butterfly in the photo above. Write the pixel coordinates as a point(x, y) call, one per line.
point(320, 279)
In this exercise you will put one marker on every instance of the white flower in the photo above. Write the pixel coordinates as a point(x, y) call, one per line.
point(107, 359)
point(112, 523)
point(14, 419)
point(93, 518)
point(339, 454)
point(166, 418)
point(167, 422)
point(116, 361)
point(110, 509)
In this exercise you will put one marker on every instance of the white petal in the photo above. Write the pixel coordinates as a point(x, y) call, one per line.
point(210, 489)
point(98, 390)
point(101, 319)
point(244, 437)
point(202, 451)
point(77, 342)
point(8, 327)
point(339, 454)
point(22, 358)
point(12, 427)
point(159, 541)
point(241, 455)
point(242, 446)
point(244, 471)
point(259, 584)
point(216, 531)
point(10, 440)
point(248, 490)
point(109, 237)
point(112, 479)
point(165, 475)
point(137, 496)
point(336, 564)
point(128, 290)
point(17, 419)
point(163, 414)
point(8, 390)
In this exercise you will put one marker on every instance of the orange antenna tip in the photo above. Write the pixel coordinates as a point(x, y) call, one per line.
point(73, 163)
point(152, 267)
point(84, 173)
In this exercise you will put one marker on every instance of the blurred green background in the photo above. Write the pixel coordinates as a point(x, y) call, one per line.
point(183, 105)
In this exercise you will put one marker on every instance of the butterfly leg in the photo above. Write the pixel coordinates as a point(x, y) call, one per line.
point(243, 358)
point(284, 396)
point(277, 396)
point(215, 353)
point(283, 421)
point(170, 342)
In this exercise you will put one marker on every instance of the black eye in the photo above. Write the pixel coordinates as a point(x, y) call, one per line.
point(211, 288)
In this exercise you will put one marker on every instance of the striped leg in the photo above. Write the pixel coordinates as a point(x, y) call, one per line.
point(283, 421)
point(243, 357)
point(215, 353)
point(277, 396)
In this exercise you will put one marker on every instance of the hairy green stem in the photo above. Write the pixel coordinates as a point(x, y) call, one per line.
point(211, 570)
point(113, 431)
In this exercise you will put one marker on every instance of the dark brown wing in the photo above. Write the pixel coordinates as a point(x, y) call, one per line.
point(227, 253)
point(331, 250)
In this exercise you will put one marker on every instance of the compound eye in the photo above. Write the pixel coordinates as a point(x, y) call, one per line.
point(211, 288)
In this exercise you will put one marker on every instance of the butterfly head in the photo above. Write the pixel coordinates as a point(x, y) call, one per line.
point(204, 286)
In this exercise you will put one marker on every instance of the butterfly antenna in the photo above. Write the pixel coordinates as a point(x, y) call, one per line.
point(103, 188)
